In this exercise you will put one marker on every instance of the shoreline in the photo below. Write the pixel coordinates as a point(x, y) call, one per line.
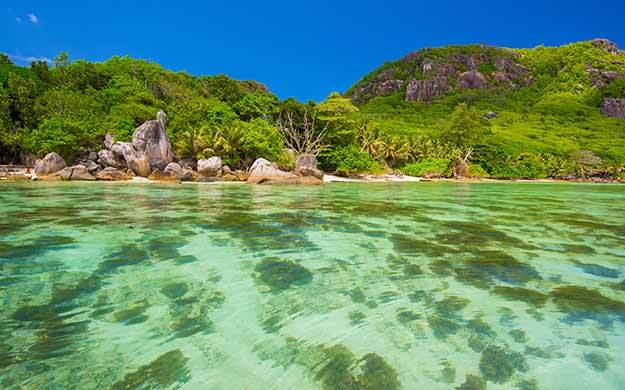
point(329, 179)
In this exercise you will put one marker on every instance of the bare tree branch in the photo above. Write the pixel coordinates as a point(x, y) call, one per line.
point(305, 139)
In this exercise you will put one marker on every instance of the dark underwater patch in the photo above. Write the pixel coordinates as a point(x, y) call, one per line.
point(498, 364)
point(529, 296)
point(473, 382)
point(127, 255)
point(282, 274)
point(597, 361)
point(487, 266)
point(597, 270)
point(163, 372)
point(581, 302)
point(342, 371)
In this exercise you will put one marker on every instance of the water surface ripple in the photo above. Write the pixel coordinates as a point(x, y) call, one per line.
point(344, 286)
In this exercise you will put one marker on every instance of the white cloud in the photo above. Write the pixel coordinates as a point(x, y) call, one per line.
point(33, 18)
point(28, 59)
point(18, 19)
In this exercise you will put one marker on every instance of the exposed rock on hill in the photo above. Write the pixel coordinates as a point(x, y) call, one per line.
point(606, 45)
point(429, 73)
point(614, 107)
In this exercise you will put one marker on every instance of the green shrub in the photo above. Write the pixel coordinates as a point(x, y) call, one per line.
point(348, 160)
point(477, 171)
point(430, 167)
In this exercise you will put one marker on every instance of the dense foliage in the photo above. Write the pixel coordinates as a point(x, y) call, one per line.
point(549, 125)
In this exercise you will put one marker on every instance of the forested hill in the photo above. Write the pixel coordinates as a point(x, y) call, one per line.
point(69, 107)
point(453, 111)
point(545, 103)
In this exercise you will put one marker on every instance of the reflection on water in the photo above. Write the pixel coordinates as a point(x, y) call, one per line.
point(347, 286)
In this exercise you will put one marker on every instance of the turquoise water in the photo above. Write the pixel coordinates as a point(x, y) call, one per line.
point(344, 286)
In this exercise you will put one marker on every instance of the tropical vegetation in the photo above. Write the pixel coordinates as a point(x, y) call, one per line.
point(550, 126)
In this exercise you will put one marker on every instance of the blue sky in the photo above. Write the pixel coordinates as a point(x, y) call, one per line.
point(300, 49)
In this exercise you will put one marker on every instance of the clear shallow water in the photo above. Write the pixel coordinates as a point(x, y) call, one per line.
point(424, 285)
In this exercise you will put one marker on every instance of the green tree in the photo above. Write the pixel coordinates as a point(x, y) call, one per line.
point(5, 60)
point(23, 93)
point(257, 104)
point(465, 129)
point(61, 60)
point(340, 114)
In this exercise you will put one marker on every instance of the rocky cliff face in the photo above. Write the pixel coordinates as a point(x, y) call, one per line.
point(428, 74)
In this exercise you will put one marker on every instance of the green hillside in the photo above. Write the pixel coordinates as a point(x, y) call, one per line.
point(548, 102)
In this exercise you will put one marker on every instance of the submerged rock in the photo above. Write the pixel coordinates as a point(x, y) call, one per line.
point(473, 382)
point(163, 372)
point(282, 274)
point(51, 163)
point(498, 364)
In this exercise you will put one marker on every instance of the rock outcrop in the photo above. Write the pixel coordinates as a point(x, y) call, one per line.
point(112, 174)
point(109, 141)
point(151, 139)
point(173, 169)
point(614, 108)
point(136, 160)
point(606, 45)
point(263, 170)
point(106, 158)
point(50, 164)
point(428, 74)
point(306, 165)
point(472, 79)
point(161, 176)
point(210, 167)
point(426, 90)
point(76, 172)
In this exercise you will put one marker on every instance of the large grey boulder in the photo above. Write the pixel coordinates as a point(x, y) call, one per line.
point(173, 169)
point(151, 138)
point(263, 170)
point(136, 160)
point(107, 158)
point(50, 164)
point(306, 165)
point(210, 167)
point(77, 172)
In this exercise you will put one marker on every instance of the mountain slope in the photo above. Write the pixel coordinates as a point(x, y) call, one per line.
point(556, 101)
